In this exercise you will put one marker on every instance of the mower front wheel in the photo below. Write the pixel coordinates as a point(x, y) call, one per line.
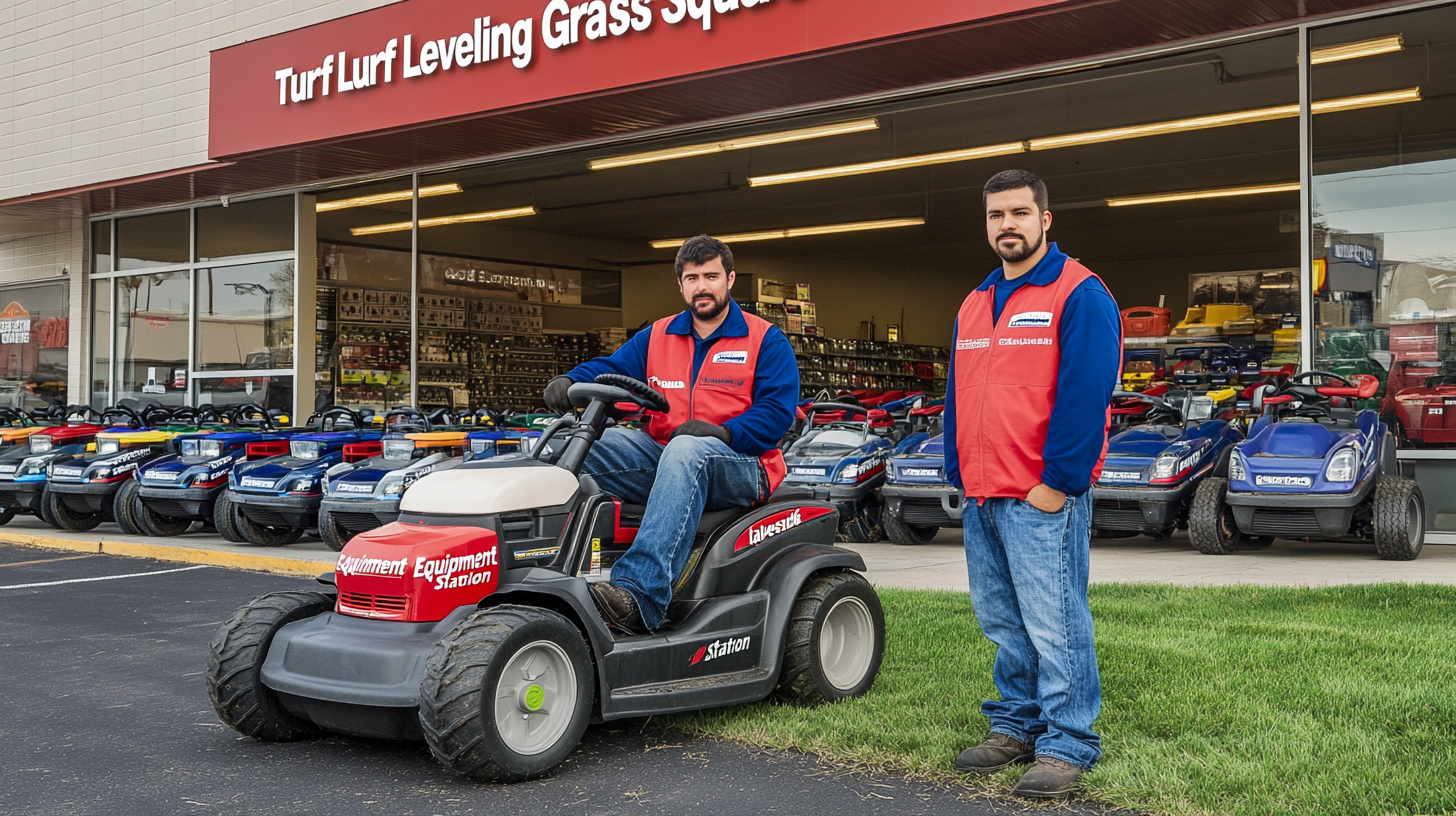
point(263, 535)
point(1211, 524)
point(908, 534)
point(835, 642)
point(507, 695)
point(159, 525)
point(235, 665)
point(68, 519)
point(332, 532)
point(1399, 514)
point(224, 518)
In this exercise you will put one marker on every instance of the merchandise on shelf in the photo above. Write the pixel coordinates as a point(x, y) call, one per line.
point(836, 365)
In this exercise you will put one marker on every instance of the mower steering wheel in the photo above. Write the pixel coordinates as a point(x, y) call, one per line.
point(643, 394)
point(1329, 375)
point(134, 420)
point(334, 411)
point(84, 412)
point(247, 412)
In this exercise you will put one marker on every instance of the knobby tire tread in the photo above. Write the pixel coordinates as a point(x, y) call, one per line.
point(234, 666)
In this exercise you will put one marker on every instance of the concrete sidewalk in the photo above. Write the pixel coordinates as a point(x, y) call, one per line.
point(937, 565)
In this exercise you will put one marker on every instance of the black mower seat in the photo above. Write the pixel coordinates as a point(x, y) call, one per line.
point(713, 519)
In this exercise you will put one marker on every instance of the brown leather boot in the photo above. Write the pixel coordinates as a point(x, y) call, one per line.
point(618, 607)
point(1049, 778)
point(997, 752)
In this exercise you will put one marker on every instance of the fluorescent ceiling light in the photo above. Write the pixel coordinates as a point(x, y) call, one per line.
point(740, 143)
point(440, 221)
point(382, 198)
point(890, 164)
point(1096, 136)
point(1356, 50)
point(1195, 195)
point(800, 232)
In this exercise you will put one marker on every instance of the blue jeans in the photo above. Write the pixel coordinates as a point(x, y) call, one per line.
point(677, 482)
point(1028, 574)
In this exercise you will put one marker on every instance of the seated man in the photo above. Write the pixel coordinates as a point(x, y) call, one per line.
point(732, 382)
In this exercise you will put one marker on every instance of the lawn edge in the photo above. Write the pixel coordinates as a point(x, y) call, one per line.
point(185, 555)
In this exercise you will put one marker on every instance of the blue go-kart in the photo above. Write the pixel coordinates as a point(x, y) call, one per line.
point(1313, 467)
point(1153, 469)
point(918, 500)
point(840, 456)
point(191, 484)
point(274, 500)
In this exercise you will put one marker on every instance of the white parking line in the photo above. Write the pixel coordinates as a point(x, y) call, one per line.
point(104, 578)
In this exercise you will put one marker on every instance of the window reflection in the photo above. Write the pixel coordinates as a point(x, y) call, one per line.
point(151, 338)
point(245, 316)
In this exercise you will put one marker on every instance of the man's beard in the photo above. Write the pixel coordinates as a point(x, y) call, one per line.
point(709, 311)
point(1025, 248)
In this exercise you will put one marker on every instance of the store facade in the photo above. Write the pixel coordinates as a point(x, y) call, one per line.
point(425, 204)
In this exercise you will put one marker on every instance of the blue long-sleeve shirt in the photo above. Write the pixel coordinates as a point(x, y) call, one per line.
point(775, 380)
point(1091, 356)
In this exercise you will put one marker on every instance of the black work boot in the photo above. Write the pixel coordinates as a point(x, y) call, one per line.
point(1049, 778)
point(997, 752)
point(618, 607)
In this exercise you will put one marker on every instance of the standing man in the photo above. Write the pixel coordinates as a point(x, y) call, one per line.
point(731, 382)
point(1037, 351)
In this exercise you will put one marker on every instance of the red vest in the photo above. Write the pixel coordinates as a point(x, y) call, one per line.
point(1006, 385)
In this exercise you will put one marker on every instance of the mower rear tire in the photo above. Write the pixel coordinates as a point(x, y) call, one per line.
point(907, 534)
point(68, 519)
point(507, 694)
point(263, 535)
point(332, 532)
point(156, 524)
point(235, 665)
point(1399, 513)
point(864, 526)
point(835, 641)
point(224, 518)
point(1211, 525)
point(123, 508)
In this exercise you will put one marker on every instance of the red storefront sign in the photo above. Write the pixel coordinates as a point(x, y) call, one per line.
point(424, 61)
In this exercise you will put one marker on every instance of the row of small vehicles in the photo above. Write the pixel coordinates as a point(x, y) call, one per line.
point(1235, 454)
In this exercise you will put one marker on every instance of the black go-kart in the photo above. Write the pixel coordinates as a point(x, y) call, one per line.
point(468, 623)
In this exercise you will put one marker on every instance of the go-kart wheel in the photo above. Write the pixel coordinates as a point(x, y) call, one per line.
point(263, 535)
point(507, 694)
point(45, 509)
point(907, 534)
point(1257, 542)
point(224, 518)
point(332, 532)
point(235, 663)
point(124, 510)
point(864, 526)
point(1399, 513)
point(7, 514)
point(68, 519)
point(835, 641)
point(1211, 524)
point(154, 523)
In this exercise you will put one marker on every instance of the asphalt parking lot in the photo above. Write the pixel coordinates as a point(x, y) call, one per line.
point(104, 711)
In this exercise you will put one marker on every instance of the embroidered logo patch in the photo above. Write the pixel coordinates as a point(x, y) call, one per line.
point(739, 357)
point(1031, 320)
point(977, 343)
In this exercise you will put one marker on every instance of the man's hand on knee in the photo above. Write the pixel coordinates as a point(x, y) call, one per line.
point(697, 427)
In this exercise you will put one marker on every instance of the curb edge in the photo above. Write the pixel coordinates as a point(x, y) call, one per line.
point(186, 555)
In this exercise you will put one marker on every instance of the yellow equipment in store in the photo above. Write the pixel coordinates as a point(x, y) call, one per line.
point(1215, 319)
point(1137, 375)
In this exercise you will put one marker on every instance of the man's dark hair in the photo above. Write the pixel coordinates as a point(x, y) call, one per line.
point(1015, 180)
point(702, 249)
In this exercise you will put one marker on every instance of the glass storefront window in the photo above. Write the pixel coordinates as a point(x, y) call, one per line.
point(101, 315)
point(162, 239)
point(151, 338)
point(363, 297)
point(274, 392)
point(1384, 218)
point(245, 228)
point(245, 317)
point(34, 341)
point(101, 247)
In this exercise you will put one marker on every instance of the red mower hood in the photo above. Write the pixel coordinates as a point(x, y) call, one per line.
point(416, 572)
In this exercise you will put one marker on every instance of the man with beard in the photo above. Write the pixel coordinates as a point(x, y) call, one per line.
point(1037, 349)
point(732, 383)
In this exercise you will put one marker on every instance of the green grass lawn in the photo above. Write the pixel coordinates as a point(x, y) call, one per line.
point(1243, 700)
